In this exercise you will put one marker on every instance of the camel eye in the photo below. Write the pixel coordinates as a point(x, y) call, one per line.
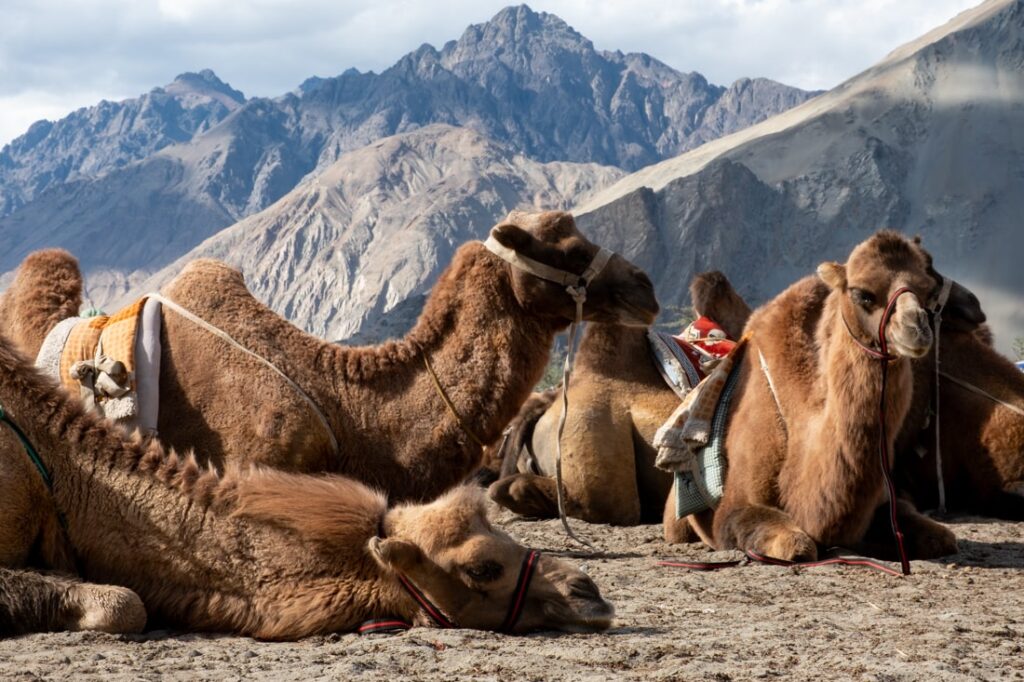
point(865, 299)
point(484, 572)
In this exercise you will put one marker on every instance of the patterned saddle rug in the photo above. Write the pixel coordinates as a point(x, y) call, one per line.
point(691, 442)
point(111, 361)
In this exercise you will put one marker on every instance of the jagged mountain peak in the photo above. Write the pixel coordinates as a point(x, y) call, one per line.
point(204, 83)
point(515, 30)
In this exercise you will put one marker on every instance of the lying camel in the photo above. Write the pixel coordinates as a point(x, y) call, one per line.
point(486, 331)
point(254, 552)
point(618, 400)
point(981, 439)
point(639, 388)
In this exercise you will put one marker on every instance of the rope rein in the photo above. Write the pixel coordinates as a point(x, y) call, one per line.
point(44, 474)
point(576, 287)
point(224, 336)
point(448, 401)
point(940, 304)
point(984, 394)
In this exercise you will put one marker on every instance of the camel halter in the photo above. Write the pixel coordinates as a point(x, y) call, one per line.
point(576, 287)
point(437, 616)
point(883, 355)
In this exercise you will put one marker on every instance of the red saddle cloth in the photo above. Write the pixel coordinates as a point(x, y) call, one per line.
point(702, 338)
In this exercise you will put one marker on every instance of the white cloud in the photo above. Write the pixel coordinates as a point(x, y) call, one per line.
point(56, 53)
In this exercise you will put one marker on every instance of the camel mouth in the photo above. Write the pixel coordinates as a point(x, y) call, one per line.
point(588, 617)
point(914, 352)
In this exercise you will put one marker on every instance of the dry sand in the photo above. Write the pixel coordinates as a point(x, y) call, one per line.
point(959, 618)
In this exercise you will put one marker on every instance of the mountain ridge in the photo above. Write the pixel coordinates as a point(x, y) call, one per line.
point(524, 80)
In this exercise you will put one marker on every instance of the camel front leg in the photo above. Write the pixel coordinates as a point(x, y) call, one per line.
point(36, 602)
point(527, 495)
point(923, 538)
point(765, 530)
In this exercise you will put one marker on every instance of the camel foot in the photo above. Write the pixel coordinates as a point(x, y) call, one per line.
point(769, 532)
point(107, 608)
point(923, 538)
point(526, 494)
point(788, 545)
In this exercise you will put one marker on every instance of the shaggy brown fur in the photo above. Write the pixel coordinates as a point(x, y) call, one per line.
point(799, 311)
point(255, 552)
point(616, 403)
point(804, 472)
point(46, 289)
point(982, 441)
point(487, 330)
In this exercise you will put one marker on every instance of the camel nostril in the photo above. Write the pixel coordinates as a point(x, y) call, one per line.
point(584, 588)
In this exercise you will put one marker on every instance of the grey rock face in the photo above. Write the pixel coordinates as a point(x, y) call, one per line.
point(96, 140)
point(525, 80)
point(352, 251)
point(928, 142)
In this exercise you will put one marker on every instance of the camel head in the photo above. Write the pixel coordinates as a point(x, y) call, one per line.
point(876, 270)
point(471, 570)
point(620, 293)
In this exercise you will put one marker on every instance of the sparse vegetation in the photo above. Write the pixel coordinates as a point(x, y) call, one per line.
point(1018, 347)
point(674, 318)
point(553, 372)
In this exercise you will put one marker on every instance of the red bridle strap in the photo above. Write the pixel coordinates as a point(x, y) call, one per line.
point(882, 354)
point(754, 556)
point(515, 607)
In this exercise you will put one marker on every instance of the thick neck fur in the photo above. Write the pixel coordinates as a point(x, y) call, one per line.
point(261, 553)
point(487, 352)
point(833, 422)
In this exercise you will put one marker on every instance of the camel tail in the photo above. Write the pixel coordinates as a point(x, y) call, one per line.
point(713, 296)
point(46, 289)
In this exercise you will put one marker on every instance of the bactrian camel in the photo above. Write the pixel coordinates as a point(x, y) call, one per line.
point(624, 358)
point(255, 552)
point(486, 331)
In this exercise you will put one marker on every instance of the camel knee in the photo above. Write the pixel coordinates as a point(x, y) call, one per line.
point(526, 494)
point(108, 608)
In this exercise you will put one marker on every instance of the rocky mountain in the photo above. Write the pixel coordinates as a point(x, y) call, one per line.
point(351, 252)
point(927, 141)
point(129, 206)
point(96, 140)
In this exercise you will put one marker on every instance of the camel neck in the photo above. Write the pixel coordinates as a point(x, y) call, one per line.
point(487, 353)
point(854, 386)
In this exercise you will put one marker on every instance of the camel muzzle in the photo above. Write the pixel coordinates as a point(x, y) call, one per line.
point(909, 332)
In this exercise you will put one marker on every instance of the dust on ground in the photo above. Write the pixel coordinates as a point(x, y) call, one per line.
point(953, 619)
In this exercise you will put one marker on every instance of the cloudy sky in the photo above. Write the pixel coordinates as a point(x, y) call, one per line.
point(57, 55)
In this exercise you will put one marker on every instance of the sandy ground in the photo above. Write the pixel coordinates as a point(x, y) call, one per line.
point(960, 618)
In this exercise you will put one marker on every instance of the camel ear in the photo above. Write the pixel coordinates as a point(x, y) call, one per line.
point(395, 554)
point(833, 274)
point(512, 236)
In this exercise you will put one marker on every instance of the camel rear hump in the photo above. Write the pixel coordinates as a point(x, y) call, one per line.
point(46, 289)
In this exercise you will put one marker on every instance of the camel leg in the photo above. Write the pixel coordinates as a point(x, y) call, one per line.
point(527, 495)
point(1003, 504)
point(35, 602)
point(676, 531)
point(923, 538)
point(598, 460)
point(768, 531)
